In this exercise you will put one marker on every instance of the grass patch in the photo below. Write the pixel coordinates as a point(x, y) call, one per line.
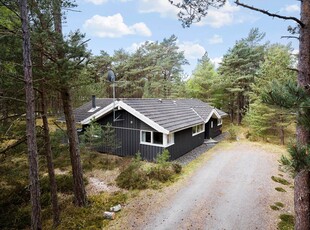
point(287, 222)
point(90, 217)
point(279, 189)
point(274, 207)
point(280, 180)
point(277, 206)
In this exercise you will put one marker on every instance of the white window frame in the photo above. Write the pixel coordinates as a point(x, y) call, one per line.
point(196, 130)
point(165, 139)
point(219, 121)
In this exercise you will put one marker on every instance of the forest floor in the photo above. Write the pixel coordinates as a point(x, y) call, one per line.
point(228, 187)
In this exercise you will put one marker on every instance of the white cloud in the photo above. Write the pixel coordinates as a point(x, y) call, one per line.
point(192, 50)
point(163, 7)
point(291, 8)
point(216, 39)
point(134, 46)
point(114, 26)
point(97, 2)
point(216, 61)
point(221, 17)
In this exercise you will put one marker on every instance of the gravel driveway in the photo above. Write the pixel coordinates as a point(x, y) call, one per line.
point(233, 190)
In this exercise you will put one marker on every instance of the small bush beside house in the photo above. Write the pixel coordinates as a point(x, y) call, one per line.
point(143, 175)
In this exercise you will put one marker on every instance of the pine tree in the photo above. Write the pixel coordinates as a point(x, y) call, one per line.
point(238, 70)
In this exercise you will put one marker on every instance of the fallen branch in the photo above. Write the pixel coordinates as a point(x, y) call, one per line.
point(20, 141)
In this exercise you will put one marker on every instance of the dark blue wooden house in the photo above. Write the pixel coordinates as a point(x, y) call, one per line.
point(149, 126)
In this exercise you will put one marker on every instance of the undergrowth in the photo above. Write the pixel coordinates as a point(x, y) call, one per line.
point(91, 217)
point(139, 176)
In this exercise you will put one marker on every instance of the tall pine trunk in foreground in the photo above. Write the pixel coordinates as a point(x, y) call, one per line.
point(79, 188)
point(302, 179)
point(78, 183)
point(30, 118)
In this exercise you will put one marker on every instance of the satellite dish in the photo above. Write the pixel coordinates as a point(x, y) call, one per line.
point(111, 76)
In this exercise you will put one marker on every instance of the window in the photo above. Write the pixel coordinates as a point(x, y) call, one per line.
point(146, 137)
point(211, 125)
point(219, 122)
point(197, 129)
point(156, 138)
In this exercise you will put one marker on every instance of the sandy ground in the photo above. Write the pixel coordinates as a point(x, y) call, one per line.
point(232, 190)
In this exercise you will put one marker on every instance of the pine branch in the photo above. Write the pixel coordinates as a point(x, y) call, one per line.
point(293, 69)
point(12, 98)
point(288, 37)
point(270, 14)
point(10, 8)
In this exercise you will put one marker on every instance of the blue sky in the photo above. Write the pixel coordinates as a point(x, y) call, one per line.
point(114, 24)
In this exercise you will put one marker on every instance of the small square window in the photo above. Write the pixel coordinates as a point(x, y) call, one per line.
point(157, 138)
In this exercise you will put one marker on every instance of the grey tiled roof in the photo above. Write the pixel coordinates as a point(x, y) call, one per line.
point(82, 113)
point(170, 114)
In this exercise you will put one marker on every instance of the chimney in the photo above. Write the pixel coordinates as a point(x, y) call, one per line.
point(93, 101)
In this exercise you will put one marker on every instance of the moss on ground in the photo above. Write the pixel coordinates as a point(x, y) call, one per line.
point(277, 206)
point(279, 189)
point(287, 222)
point(280, 180)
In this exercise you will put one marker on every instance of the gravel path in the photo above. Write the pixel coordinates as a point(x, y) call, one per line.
point(232, 190)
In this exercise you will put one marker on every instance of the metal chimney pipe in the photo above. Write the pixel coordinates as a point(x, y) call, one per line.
point(93, 101)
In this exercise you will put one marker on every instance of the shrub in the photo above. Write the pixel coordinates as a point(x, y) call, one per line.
point(164, 170)
point(163, 158)
point(133, 177)
point(137, 176)
point(177, 168)
point(232, 130)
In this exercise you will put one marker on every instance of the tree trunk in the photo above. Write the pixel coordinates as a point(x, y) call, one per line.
point(78, 183)
point(49, 160)
point(302, 186)
point(282, 135)
point(239, 108)
point(302, 200)
point(30, 124)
